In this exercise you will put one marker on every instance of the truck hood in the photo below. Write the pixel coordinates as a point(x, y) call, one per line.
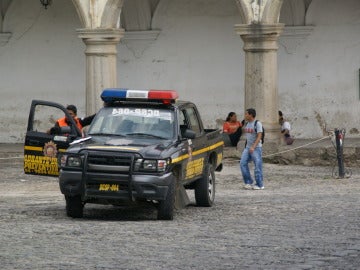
point(149, 148)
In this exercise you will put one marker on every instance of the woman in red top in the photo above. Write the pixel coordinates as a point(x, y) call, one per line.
point(232, 127)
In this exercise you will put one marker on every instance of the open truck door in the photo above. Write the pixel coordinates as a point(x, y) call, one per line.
point(42, 143)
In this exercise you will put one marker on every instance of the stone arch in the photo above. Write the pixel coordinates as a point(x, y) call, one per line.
point(293, 12)
point(271, 12)
point(81, 11)
point(293, 15)
point(259, 11)
point(137, 15)
point(88, 12)
point(4, 6)
point(4, 35)
point(244, 10)
point(111, 14)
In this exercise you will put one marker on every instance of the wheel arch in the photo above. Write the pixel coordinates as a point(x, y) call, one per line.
point(213, 160)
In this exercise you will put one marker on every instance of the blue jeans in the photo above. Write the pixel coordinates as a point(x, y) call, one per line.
point(256, 157)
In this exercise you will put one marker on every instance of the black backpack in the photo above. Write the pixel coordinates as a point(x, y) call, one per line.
point(263, 133)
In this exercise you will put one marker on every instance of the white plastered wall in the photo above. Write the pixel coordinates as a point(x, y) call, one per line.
point(43, 59)
point(319, 80)
point(197, 53)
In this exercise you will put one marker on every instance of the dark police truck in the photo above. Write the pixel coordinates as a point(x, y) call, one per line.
point(142, 146)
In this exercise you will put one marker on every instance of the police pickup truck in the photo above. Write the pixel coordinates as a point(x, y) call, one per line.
point(142, 146)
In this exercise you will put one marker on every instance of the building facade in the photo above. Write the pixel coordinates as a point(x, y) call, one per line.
point(299, 56)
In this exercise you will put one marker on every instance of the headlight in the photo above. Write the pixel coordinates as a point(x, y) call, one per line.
point(73, 161)
point(150, 165)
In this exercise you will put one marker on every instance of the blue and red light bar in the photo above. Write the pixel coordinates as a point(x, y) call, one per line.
point(122, 94)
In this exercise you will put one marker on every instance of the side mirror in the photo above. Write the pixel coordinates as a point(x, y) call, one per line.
point(189, 134)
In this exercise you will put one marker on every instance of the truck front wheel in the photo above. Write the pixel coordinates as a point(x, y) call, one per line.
point(74, 207)
point(205, 188)
point(166, 207)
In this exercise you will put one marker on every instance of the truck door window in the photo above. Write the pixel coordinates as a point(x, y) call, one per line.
point(45, 118)
point(182, 122)
point(193, 121)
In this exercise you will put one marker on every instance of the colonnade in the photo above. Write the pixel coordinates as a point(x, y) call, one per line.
point(259, 29)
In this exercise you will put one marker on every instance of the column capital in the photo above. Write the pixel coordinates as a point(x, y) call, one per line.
point(101, 34)
point(100, 39)
point(259, 37)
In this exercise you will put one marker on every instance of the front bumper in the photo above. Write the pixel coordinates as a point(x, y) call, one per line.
point(129, 187)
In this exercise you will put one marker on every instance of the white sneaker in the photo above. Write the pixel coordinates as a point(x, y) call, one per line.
point(248, 186)
point(256, 187)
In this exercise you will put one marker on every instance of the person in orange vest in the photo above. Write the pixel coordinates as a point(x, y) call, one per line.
point(63, 122)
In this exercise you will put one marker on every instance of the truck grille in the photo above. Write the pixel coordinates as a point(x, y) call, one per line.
point(109, 163)
point(108, 174)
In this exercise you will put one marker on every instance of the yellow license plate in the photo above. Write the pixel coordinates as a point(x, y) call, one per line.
point(108, 187)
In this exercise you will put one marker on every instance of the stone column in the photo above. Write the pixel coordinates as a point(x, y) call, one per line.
point(101, 65)
point(261, 73)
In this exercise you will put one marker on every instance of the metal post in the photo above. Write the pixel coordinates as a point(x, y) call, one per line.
point(339, 136)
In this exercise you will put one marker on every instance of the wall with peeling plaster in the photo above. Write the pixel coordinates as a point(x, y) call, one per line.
point(197, 53)
point(43, 59)
point(319, 77)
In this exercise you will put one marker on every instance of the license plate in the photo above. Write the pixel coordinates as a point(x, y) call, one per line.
point(108, 187)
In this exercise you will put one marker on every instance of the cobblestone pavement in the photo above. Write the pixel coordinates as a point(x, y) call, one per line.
point(304, 219)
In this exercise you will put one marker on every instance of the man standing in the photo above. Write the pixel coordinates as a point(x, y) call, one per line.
point(252, 151)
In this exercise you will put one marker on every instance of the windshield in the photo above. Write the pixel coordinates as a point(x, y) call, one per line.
point(134, 121)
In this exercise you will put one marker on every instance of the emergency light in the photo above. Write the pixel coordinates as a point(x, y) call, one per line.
point(122, 94)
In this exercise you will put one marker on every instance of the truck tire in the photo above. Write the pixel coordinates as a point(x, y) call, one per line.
point(205, 188)
point(166, 207)
point(74, 207)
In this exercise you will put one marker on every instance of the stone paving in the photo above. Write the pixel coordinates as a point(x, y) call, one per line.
point(304, 219)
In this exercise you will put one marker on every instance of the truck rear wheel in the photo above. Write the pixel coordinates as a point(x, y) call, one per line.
point(166, 207)
point(205, 188)
point(74, 207)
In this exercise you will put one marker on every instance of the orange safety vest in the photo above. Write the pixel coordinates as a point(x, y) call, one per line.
point(62, 123)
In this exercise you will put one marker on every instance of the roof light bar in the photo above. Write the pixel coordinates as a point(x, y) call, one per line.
point(123, 94)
